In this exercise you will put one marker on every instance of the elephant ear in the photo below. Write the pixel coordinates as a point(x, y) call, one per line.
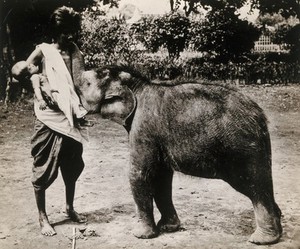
point(119, 103)
point(77, 64)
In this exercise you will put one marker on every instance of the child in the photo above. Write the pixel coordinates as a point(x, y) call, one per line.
point(23, 70)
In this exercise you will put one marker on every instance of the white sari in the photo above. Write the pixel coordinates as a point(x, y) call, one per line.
point(61, 81)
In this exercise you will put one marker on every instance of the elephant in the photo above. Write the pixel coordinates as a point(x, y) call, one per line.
point(203, 129)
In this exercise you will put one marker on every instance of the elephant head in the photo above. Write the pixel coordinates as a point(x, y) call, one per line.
point(106, 92)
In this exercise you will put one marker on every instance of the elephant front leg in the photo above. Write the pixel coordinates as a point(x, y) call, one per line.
point(169, 221)
point(142, 191)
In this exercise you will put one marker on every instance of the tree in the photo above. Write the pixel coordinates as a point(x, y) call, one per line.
point(290, 37)
point(170, 31)
point(286, 8)
point(269, 20)
point(194, 6)
point(147, 32)
point(223, 35)
point(189, 6)
point(293, 39)
point(105, 41)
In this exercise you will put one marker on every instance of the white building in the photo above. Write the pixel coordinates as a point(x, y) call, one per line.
point(265, 45)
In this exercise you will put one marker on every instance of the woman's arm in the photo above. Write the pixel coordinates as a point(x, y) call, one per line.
point(35, 57)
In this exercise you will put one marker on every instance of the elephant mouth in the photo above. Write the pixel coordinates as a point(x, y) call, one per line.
point(110, 99)
point(90, 106)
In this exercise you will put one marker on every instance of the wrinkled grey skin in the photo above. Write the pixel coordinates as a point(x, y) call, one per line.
point(205, 130)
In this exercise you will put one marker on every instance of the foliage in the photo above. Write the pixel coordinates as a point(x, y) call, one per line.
point(285, 7)
point(223, 35)
point(146, 31)
point(289, 36)
point(269, 20)
point(106, 41)
point(191, 6)
point(222, 4)
point(174, 30)
point(170, 31)
point(279, 35)
point(194, 6)
point(293, 39)
point(269, 68)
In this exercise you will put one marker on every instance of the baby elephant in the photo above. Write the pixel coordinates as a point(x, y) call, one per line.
point(200, 129)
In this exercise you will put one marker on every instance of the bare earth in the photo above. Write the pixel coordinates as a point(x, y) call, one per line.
point(213, 215)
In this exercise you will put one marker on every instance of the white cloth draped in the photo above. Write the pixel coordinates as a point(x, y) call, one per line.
point(59, 80)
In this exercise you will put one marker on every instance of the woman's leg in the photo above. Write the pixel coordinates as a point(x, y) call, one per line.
point(45, 148)
point(71, 167)
point(46, 228)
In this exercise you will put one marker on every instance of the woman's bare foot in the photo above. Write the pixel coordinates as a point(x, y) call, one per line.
point(46, 228)
point(74, 216)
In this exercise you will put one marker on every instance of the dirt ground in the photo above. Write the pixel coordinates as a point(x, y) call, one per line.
point(213, 215)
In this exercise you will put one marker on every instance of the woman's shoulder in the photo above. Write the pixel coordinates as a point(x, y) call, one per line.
point(43, 45)
point(36, 56)
point(39, 49)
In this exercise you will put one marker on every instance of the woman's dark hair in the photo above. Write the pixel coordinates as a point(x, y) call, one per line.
point(64, 20)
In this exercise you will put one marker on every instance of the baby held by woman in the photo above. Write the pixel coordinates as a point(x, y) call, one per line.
point(49, 97)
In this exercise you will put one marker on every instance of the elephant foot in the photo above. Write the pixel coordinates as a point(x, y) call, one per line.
point(169, 225)
point(268, 226)
point(144, 231)
point(265, 237)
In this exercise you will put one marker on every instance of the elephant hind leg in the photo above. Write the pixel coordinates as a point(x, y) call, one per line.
point(267, 215)
point(169, 221)
point(259, 189)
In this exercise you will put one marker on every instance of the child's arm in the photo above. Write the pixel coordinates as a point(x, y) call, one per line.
point(35, 80)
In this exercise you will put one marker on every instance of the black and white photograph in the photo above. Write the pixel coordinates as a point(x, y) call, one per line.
point(162, 124)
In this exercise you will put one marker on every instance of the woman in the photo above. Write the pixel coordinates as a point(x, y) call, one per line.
point(57, 142)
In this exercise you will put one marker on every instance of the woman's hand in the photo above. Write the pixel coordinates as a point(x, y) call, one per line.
point(42, 105)
point(47, 95)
